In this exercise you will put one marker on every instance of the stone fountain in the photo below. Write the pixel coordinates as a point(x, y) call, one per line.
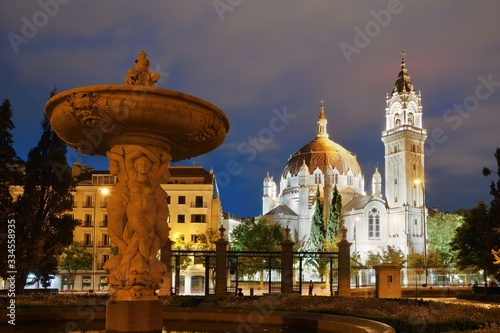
point(141, 129)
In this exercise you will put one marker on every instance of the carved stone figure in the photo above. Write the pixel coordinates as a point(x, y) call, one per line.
point(140, 75)
point(138, 215)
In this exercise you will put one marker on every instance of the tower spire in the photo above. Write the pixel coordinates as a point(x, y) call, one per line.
point(322, 133)
point(403, 81)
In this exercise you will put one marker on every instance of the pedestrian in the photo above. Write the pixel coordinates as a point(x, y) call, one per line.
point(311, 287)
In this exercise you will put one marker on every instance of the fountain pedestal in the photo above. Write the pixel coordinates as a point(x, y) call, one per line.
point(136, 316)
point(141, 129)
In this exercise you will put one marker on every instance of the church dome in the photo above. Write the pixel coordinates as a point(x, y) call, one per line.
point(322, 151)
point(318, 154)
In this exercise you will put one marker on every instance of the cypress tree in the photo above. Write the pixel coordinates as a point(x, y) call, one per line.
point(8, 177)
point(334, 222)
point(317, 234)
point(8, 158)
point(43, 228)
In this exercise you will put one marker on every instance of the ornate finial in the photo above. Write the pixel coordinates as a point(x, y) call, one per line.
point(221, 231)
point(403, 53)
point(140, 75)
point(322, 122)
point(344, 233)
point(287, 233)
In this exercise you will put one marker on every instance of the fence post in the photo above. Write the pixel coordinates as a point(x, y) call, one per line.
point(220, 264)
point(166, 258)
point(287, 263)
point(344, 288)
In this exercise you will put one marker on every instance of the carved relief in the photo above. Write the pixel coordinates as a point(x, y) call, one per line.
point(83, 108)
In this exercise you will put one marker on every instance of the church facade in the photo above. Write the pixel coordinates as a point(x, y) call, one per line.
point(373, 220)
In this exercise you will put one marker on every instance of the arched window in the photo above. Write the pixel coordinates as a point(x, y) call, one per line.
point(317, 178)
point(374, 224)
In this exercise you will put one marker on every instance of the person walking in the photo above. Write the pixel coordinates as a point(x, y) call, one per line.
point(311, 287)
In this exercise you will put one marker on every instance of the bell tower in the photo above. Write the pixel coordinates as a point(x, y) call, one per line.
point(404, 139)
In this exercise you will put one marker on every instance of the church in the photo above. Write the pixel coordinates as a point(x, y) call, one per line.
point(375, 219)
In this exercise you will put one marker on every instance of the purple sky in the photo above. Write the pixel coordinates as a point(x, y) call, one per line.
point(258, 60)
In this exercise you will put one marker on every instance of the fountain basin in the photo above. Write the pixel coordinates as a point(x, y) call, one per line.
point(93, 119)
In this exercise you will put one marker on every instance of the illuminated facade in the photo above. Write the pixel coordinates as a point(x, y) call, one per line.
point(194, 207)
point(372, 220)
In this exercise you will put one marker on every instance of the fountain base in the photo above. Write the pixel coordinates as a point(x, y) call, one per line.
point(135, 316)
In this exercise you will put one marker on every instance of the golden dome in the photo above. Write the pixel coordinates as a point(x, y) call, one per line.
point(318, 154)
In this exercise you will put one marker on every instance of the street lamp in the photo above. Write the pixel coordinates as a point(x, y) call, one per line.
point(356, 220)
point(421, 182)
point(104, 191)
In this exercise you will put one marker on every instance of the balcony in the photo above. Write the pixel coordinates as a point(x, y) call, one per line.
point(87, 243)
point(198, 204)
point(104, 244)
point(87, 224)
point(103, 224)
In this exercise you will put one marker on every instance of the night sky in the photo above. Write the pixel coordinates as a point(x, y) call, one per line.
point(267, 65)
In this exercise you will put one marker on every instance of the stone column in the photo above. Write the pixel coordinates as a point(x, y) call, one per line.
point(287, 263)
point(221, 264)
point(344, 277)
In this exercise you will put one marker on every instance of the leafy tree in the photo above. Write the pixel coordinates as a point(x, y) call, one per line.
point(42, 227)
point(8, 158)
point(74, 258)
point(206, 241)
point(334, 221)
point(180, 243)
point(317, 234)
point(472, 239)
point(262, 236)
point(386, 255)
point(440, 232)
point(494, 212)
point(496, 255)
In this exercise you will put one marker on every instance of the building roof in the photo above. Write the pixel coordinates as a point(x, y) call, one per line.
point(179, 174)
point(193, 174)
point(281, 211)
point(403, 81)
point(360, 202)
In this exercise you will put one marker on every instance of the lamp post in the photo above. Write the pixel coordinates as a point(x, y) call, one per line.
point(419, 181)
point(356, 219)
point(104, 191)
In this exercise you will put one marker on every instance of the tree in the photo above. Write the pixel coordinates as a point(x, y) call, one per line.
point(440, 231)
point(206, 241)
point(494, 212)
point(262, 236)
point(496, 255)
point(334, 222)
point(386, 255)
point(472, 239)
point(8, 159)
point(317, 234)
point(74, 258)
point(43, 229)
